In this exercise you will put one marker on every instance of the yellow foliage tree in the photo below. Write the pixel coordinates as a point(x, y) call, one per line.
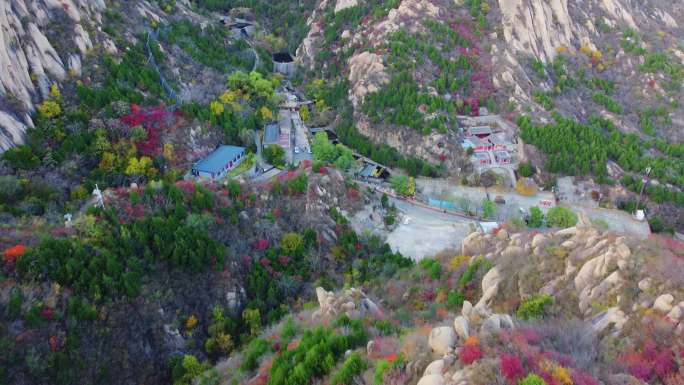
point(54, 92)
point(228, 97)
point(291, 243)
point(216, 107)
point(138, 166)
point(168, 152)
point(49, 109)
point(457, 261)
point(108, 161)
point(304, 113)
point(412, 186)
point(266, 113)
point(191, 322)
point(320, 105)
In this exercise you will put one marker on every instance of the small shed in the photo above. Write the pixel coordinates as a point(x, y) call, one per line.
point(283, 63)
point(479, 131)
point(217, 164)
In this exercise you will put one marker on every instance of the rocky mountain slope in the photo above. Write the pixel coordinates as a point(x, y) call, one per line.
point(572, 306)
point(28, 57)
point(599, 84)
point(603, 37)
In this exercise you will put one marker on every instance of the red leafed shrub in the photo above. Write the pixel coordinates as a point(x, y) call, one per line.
point(261, 244)
point(13, 253)
point(548, 378)
point(650, 361)
point(322, 170)
point(581, 378)
point(46, 313)
point(284, 260)
point(428, 295)
point(664, 364)
point(187, 187)
point(306, 163)
point(153, 121)
point(511, 368)
point(469, 354)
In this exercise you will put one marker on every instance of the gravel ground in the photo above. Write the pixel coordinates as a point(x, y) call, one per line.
point(420, 232)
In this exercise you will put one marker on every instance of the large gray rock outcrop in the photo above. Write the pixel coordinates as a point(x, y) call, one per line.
point(442, 339)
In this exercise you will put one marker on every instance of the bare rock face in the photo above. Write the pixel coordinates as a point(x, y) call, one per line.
point(352, 302)
point(473, 244)
point(435, 367)
point(495, 322)
point(366, 75)
point(612, 317)
point(344, 4)
point(490, 287)
point(442, 339)
point(663, 303)
point(461, 327)
point(432, 379)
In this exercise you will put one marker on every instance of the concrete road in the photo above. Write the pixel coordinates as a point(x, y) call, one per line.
point(424, 233)
point(618, 221)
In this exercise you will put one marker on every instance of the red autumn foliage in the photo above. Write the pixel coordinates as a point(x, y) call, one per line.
point(153, 120)
point(187, 187)
point(511, 368)
point(261, 244)
point(13, 253)
point(469, 354)
point(581, 378)
point(651, 361)
point(284, 260)
point(47, 313)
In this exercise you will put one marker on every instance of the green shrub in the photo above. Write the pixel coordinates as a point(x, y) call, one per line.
point(469, 273)
point(526, 169)
point(317, 352)
point(380, 368)
point(289, 329)
point(15, 301)
point(534, 307)
point(532, 379)
point(561, 217)
point(536, 218)
point(455, 300)
point(352, 367)
point(432, 268)
point(250, 358)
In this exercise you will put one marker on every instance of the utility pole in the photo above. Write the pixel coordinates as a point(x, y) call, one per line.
point(644, 182)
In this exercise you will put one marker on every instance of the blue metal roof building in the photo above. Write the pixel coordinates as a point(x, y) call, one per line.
point(219, 162)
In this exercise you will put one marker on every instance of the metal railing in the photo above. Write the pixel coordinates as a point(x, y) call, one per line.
point(170, 92)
